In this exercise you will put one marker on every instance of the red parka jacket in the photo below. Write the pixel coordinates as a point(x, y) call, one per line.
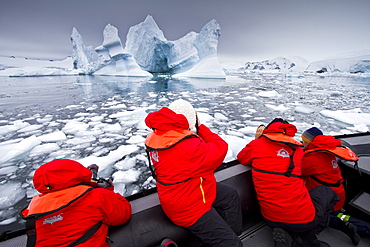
point(282, 198)
point(189, 160)
point(70, 206)
point(323, 165)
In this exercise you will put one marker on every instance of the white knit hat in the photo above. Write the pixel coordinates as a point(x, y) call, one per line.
point(183, 107)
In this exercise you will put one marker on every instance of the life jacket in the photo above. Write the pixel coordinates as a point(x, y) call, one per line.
point(342, 152)
point(292, 143)
point(45, 204)
point(48, 203)
point(280, 137)
point(165, 139)
point(162, 140)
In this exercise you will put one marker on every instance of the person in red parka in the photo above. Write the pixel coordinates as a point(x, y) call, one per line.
point(70, 205)
point(183, 166)
point(320, 167)
point(294, 213)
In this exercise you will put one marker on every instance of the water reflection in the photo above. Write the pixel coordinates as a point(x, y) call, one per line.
point(162, 83)
point(60, 91)
point(94, 88)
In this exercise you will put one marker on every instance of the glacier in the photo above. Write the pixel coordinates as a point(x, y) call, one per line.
point(356, 64)
point(147, 51)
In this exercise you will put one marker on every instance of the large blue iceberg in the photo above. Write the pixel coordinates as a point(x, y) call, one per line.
point(147, 51)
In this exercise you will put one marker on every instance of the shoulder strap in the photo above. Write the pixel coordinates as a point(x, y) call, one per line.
point(276, 173)
point(31, 231)
point(87, 235)
point(337, 184)
point(289, 171)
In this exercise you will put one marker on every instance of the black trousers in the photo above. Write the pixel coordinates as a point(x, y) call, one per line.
point(323, 198)
point(363, 227)
point(221, 225)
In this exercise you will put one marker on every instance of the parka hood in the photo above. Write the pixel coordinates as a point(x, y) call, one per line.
point(323, 141)
point(166, 119)
point(60, 174)
point(278, 127)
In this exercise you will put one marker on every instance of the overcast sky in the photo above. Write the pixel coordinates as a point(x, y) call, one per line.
point(250, 30)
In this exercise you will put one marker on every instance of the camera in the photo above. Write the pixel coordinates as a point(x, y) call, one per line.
point(102, 182)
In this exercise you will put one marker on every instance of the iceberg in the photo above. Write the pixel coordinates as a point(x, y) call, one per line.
point(206, 44)
point(82, 55)
point(146, 42)
point(194, 55)
point(113, 59)
point(148, 51)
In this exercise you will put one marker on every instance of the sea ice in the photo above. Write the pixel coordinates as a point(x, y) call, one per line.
point(53, 137)
point(18, 124)
point(105, 162)
point(235, 145)
point(136, 140)
point(8, 169)
point(269, 94)
point(74, 126)
point(220, 117)
point(354, 116)
point(11, 151)
point(127, 163)
point(11, 193)
point(279, 108)
point(126, 177)
point(44, 149)
point(8, 221)
point(304, 109)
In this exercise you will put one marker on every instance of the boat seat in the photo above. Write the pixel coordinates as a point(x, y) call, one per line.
point(361, 202)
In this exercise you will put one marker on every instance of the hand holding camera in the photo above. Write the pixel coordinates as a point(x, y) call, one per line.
point(105, 183)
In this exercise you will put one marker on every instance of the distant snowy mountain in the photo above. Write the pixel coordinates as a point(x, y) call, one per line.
point(279, 64)
point(344, 64)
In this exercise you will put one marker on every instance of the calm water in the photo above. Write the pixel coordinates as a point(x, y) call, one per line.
point(59, 91)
